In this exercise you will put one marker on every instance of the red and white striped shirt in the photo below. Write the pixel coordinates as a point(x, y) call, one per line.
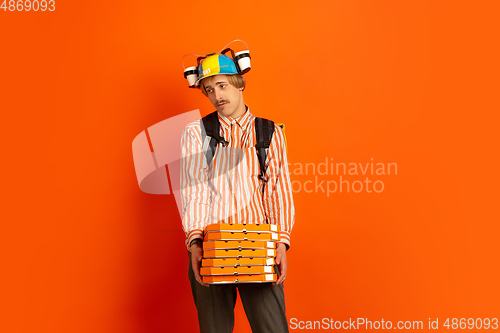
point(230, 191)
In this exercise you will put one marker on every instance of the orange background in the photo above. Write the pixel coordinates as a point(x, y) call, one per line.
point(413, 83)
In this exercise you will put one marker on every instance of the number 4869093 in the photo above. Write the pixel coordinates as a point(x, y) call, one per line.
point(27, 5)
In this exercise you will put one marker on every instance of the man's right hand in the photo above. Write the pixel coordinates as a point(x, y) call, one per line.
point(196, 256)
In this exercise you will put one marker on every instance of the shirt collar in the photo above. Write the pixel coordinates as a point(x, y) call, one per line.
point(242, 121)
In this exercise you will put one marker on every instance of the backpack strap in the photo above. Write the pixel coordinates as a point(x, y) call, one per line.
point(210, 135)
point(284, 135)
point(264, 130)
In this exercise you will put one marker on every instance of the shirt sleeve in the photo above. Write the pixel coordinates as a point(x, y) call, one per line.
point(278, 198)
point(195, 193)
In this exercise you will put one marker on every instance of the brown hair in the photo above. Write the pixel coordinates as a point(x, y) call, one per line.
point(236, 80)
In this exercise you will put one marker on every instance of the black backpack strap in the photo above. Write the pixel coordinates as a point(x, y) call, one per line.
point(210, 137)
point(264, 130)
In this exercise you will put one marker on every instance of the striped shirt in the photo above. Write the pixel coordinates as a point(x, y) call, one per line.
point(230, 191)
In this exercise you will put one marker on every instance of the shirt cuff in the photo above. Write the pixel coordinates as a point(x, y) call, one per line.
point(193, 234)
point(285, 238)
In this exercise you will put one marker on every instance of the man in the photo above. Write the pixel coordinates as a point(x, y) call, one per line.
point(229, 190)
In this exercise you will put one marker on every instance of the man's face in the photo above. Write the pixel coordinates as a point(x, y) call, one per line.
point(227, 99)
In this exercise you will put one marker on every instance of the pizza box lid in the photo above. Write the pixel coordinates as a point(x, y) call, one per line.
point(252, 236)
point(238, 245)
point(235, 262)
point(241, 227)
point(252, 253)
point(237, 270)
point(222, 279)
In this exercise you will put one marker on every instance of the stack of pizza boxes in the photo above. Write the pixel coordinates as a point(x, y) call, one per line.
point(239, 253)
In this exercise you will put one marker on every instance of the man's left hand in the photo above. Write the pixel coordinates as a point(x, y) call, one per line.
point(281, 262)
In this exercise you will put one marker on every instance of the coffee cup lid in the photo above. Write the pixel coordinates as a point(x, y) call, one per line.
point(241, 52)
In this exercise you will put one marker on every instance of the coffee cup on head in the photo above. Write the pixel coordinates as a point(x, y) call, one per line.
point(191, 74)
point(243, 60)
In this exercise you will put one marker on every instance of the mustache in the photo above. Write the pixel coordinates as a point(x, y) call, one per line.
point(222, 101)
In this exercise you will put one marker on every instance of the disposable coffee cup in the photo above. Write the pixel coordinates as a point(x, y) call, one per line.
point(243, 59)
point(191, 74)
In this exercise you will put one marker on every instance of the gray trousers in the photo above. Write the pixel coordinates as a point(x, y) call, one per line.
point(264, 306)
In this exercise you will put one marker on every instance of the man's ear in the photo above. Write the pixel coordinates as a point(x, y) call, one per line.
point(244, 83)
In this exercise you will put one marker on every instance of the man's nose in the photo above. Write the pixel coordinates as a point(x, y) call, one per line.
point(218, 95)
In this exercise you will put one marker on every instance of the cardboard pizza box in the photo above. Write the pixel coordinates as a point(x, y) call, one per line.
point(235, 262)
point(251, 253)
point(239, 227)
point(237, 270)
point(252, 236)
point(238, 245)
point(216, 279)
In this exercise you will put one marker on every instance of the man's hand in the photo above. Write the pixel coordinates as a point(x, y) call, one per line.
point(281, 262)
point(196, 256)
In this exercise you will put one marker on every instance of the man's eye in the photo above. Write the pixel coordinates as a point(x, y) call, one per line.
point(222, 86)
